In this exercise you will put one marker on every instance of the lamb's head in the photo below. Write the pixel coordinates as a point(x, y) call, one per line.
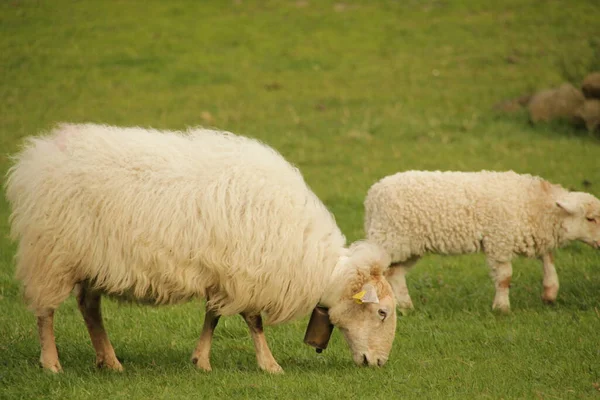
point(581, 217)
point(362, 305)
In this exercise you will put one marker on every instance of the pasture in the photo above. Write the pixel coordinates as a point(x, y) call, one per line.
point(349, 92)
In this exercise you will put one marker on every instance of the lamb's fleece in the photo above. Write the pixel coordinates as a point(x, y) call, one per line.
point(166, 216)
point(500, 213)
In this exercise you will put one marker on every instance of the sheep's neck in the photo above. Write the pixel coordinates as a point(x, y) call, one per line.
point(333, 289)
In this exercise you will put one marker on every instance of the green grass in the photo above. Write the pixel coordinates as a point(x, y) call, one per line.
point(350, 92)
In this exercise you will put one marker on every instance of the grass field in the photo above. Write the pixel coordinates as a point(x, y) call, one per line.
point(350, 92)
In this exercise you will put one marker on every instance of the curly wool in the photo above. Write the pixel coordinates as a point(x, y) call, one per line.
point(168, 216)
point(502, 213)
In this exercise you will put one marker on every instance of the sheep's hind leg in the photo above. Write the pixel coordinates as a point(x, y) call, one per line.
point(396, 276)
point(502, 274)
point(550, 279)
point(265, 359)
point(89, 305)
point(45, 295)
point(201, 355)
point(49, 353)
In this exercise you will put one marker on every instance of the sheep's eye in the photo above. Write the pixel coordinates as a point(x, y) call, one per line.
point(591, 219)
point(382, 313)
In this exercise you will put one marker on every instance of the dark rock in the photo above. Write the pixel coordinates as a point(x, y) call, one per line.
point(561, 102)
point(589, 114)
point(591, 86)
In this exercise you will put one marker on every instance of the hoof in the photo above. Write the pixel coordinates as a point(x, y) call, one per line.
point(53, 367)
point(549, 295)
point(201, 364)
point(501, 310)
point(113, 365)
point(501, 305)
point(549, 301)
point(272, 369)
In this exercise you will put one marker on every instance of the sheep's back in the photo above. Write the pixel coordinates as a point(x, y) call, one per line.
point(447, 212)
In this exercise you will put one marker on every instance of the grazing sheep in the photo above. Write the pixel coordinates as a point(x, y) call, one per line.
point(164, 217)
point(502, 214)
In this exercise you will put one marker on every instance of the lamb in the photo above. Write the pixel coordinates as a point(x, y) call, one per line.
point(501, 214)
point(165, 217)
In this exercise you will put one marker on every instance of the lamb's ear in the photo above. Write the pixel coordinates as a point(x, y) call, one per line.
point(568, 205)
point(368, 294)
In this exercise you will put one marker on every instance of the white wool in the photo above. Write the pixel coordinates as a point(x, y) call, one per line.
point(501, 213)
point(168, 216)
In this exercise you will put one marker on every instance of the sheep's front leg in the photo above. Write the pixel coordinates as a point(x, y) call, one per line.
point(550, 279)
point(396, 276)
point(201, 355)
point(501, 273)
point(89, 305)
point(265, 359)
point(49, 353)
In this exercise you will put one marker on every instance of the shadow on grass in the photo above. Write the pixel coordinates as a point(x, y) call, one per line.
point(560, 128)
point(563, 128)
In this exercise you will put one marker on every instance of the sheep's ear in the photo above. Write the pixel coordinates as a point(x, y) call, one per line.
point(569, 206)
point(368, 294)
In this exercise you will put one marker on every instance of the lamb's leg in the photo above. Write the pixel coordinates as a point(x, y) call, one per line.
point(49, 353)
point(396, 276)
point(550, 279)
point(201, 355)
point(265, 359)
point(501, 273)
point(89, 305)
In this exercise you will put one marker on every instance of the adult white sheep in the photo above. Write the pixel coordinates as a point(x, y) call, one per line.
point(169, 216)
point(502, 214)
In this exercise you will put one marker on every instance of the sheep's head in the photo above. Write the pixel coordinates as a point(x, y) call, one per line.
point(363, 306)
point(581, 213)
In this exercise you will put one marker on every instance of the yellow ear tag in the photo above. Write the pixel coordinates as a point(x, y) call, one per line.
point(358, 297)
